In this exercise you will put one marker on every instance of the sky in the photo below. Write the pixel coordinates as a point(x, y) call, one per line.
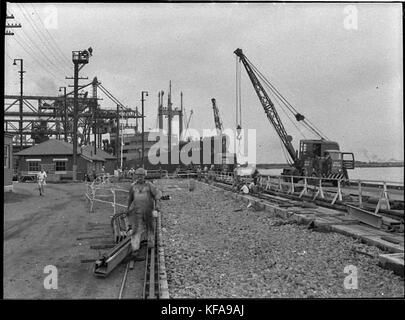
point(346, 78)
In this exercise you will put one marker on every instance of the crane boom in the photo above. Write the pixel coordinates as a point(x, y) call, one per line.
point(217, 119)
point(268, 106)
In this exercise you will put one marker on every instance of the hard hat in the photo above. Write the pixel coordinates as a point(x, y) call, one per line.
point(140, 171)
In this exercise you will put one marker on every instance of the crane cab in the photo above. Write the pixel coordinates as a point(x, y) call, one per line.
point(323, 158)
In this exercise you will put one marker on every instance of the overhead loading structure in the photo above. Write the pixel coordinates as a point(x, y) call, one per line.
point(313, 156)
point(44, 117)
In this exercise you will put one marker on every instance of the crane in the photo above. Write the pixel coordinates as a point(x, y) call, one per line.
point(217, 119)
point(307, 161)
point(188, 122)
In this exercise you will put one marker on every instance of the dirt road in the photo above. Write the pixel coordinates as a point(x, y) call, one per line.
point(49, 230)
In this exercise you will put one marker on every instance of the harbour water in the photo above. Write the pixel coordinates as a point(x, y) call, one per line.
point(392, 174)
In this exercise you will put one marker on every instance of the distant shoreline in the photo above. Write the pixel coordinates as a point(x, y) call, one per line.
point(358, 164)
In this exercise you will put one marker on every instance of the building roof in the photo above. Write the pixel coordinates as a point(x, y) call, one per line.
point(57, 147)
point(101, 153)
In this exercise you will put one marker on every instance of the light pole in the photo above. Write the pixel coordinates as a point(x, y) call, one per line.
point(21, 98)
point(65, 112)
point(143, 128)
point(122, 139)
point(79, 59)
point(140, 153)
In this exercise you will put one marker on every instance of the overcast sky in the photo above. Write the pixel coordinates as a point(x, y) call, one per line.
point(348, 82)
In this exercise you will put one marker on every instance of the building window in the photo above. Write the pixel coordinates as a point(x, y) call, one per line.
point(33, 166)
point(60, 166)
point(6, 156)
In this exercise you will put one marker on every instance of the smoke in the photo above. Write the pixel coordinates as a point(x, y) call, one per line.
point(365, 155)
point(363, 152)
point(45, 86)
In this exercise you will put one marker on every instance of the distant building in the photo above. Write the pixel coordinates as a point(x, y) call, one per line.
point(8, 162)
point(132, 148)
point(110, 160)
point(56, 158)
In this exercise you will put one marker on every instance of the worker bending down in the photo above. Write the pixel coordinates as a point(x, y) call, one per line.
point(142, 211)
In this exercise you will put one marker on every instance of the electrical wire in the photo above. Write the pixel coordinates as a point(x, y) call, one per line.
point(58, 50)
point(40, 38)
point(37, 61)
point(27, 42)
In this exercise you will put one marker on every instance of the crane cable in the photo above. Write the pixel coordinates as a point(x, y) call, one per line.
point(287, 104)
point(294, 111)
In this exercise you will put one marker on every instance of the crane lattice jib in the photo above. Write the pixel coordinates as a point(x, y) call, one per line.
point(217, 119)
point(268, 106)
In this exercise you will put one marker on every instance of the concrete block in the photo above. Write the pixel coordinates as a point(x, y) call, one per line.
point(383, 244)
point(394, 262)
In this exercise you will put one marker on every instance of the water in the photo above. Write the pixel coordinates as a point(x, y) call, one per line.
point(393, 174)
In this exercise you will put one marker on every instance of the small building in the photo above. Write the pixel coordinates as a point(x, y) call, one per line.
point(56, 158)
point(110, 163)
point(8, 162)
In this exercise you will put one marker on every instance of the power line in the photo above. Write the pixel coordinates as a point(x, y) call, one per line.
point(40, 34)
point(34, 55)
point(59, 51)
point(38, 62)
point(29, 43)
point(28, 18)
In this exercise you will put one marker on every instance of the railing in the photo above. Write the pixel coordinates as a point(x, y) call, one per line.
point(324, 188)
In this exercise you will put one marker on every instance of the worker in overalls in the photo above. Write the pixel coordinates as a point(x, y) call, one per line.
point(142, 211)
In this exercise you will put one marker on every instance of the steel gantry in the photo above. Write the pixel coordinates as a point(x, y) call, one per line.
point(44, 117)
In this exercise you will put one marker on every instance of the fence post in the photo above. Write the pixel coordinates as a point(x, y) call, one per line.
point(113, 192)
point(279, 184)
point(305, 190)
point(93, 196)
point(360, 195)
point(383, 197)
point(338, 194)
point(292, 185)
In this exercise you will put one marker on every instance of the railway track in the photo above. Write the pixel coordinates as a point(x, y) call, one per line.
point(146, 279)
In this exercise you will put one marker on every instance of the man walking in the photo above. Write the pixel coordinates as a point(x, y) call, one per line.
point(142, 211)
point(41, 177)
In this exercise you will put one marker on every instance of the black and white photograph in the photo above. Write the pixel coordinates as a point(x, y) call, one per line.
point(203, 150)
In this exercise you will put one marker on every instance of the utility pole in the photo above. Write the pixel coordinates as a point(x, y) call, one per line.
point(65, 123)
point(143, 127)
point(117, 136)
point(79, 58)
point(21, 98)
point(95, 127)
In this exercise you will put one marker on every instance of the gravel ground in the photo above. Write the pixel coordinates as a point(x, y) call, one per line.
point(217, 248)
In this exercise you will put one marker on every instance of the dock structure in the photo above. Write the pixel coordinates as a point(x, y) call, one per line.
point(217, 231)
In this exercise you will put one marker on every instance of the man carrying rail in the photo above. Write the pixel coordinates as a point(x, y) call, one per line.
point(142, 210)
